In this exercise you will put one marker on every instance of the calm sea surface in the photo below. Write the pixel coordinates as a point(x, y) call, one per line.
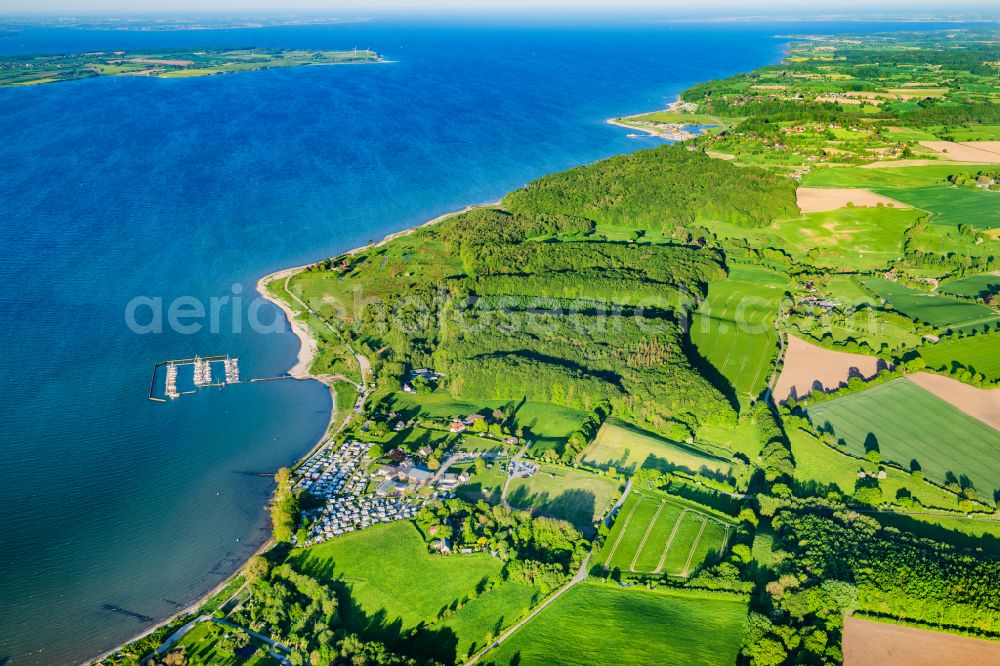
point(113, 508)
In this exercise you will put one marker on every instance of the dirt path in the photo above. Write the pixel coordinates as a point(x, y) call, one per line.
point(649, 530)
point(579, 577)
point(694, 547)
point(670, 540)
point(621, 534)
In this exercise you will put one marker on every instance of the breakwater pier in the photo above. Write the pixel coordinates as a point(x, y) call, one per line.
point(184, 376)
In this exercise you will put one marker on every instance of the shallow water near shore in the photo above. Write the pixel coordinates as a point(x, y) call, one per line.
point(115, 510)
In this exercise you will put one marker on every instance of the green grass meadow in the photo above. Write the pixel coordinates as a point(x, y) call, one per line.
point(911, 424)
point(627, 449)
point(939, 311)
point(733, 329)
point(974, 286)
point(387, 582)
point(818, 466)
point(566, 493)
point(596, 623)
point(978, 353)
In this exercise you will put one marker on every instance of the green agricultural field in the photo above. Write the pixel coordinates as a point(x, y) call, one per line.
point(392, 583)
point(978, 353)
point(939, 311)
point(595, 623)
point(818, 466)
point(943, 239)
point(861, 238)
point(846, 290)
point(974, 286)
point(894, 178)
point(970, 133)
point(658, 533)
point(472, 624)
point(923, 188)
point(909, 134)
point(734, 328)
point(979, 533)
point(951, 206)
point(563, 492)
point(627, 449)
point(905, 423)
point(858, 238)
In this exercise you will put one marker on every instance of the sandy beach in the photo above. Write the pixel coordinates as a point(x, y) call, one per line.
point(307, 343)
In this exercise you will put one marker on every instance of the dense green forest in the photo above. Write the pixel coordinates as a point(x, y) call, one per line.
point(657, 188)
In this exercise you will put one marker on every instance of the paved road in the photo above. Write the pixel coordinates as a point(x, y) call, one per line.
point(580, 576)
point(275, 646)
point(179, 634)
point(618, 504)
point(507, 477)
point(779, 360)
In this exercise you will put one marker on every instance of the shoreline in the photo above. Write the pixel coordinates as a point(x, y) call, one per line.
point(679, 134)
point(300, 370)
point(307, 343)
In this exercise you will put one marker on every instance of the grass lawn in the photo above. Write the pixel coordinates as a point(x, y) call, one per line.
point(563, 492)
point(939, 311)
point(655, 532)
point(978, 352)
point(345, 395)
point(596, 623)
point(684, 119)
point(388, 582)
point(485, 485)
point(763, 547)
point(201, 646)
point(733, 328)
point(906, 423)
point(627, 449)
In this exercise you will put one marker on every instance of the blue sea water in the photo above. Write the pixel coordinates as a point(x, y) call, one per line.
point(117, 188)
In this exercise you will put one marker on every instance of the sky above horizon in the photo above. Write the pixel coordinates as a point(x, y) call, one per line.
point(359, 7)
